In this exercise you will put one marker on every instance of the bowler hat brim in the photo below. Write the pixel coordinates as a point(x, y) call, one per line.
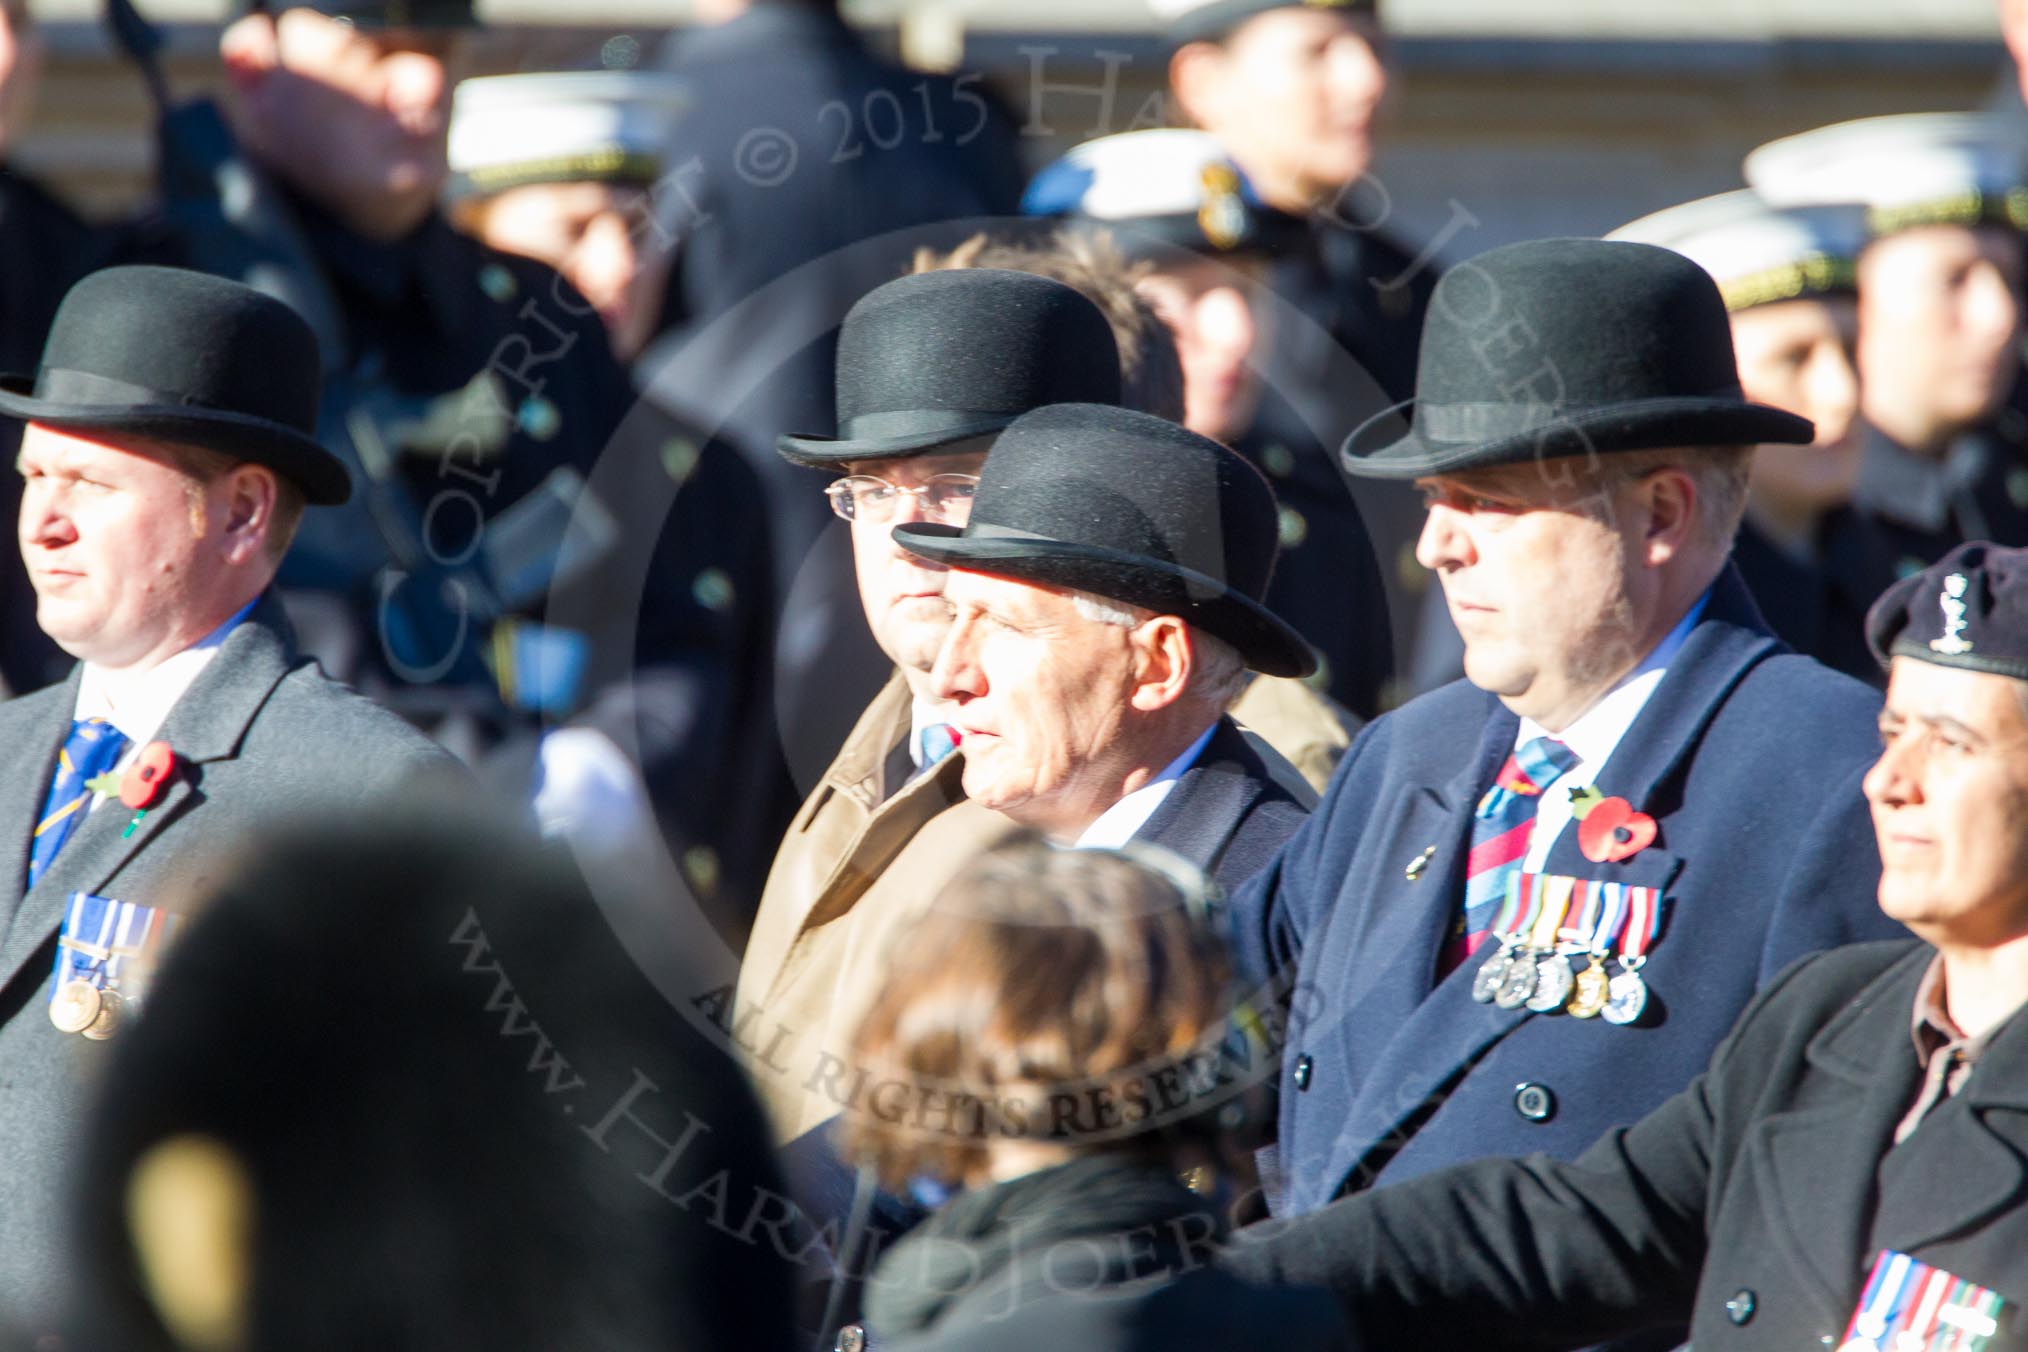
point(286, 451)
point(1263, 638)
point(1638, 425)
point(835, 452)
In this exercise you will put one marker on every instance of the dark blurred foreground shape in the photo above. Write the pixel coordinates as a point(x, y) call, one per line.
point(398, 1088)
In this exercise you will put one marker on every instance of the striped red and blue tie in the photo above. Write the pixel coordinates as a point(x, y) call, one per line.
point(1500, 831)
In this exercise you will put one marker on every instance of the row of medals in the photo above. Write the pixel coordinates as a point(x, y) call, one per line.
point(81, 1007)
point(1544, 981)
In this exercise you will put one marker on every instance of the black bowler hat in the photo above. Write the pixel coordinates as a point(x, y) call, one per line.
point(188, 358)
point(1561, 347)
point(1968, 610)
point(1131, 507)
point(393, 13)
point(931, 360)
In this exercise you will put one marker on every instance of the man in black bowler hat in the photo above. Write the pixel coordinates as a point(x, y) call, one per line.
point(167, 457)
point(1847, 1170)
point(1106, 600)
point(930, 368)
point(469, 381)
point(1533, 900)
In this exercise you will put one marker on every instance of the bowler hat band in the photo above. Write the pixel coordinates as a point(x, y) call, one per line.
point(1197, 586)
point(918, 422)
point(66, 385)
point(1487, 421)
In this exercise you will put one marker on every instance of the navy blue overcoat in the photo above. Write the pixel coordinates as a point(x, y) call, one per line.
point(1748, 757)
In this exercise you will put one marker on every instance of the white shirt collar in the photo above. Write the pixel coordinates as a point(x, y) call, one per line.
point(1118, 823)
point(138, 705)
point(1597, 733)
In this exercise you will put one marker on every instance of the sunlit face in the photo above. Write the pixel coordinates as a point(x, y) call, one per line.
point(1939, 318)
point(1549, 598)
point(903, 594)
point(599, 237)
point(349, 115)
point(127, 554)
point(1207, 305)
point(1293, 94)
point(1950, 804)
point(1796, 355)
point(1042, 695)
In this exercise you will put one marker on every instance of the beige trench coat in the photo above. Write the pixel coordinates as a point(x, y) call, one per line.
point(854, 868)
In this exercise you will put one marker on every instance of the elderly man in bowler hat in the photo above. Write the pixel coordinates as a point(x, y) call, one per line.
point(1106, 600)
point(930, 368)
point(1847, 1171)
point(1534, 899)
point(167, 457)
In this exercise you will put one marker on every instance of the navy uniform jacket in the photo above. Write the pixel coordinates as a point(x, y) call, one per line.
point(1750, 1206)
point(1748, 757)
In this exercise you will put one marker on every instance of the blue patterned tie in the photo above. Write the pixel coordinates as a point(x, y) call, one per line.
point(92, 748)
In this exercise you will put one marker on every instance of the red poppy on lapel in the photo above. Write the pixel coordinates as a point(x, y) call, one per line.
point(142, 786)
point(1612, 831)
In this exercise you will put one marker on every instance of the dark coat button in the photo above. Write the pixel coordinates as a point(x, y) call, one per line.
point(1303, 1065)
point(1534, 1102)
point(1741, 1307)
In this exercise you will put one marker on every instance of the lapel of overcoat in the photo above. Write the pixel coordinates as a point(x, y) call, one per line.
point(32, 730)
point(203, 728)
point(1197, 818)
point(1814, 1167)
point(883, 827)
point(1435, 1033)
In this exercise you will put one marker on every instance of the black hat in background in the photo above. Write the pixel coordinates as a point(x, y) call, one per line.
point(187, 358)
point(938, 358)
point(392, 13)
point(1968, 610)
point(1561, 347)
point(1212, 20)
point(1131, 507)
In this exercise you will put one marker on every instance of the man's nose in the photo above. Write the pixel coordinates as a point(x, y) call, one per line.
point(1892, 782)
point(43, 522)
point(954, 675)
point(1443, 542)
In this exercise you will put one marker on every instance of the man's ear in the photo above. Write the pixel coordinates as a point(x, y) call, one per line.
point(1669, 509)
point(1164, 661)
point(1196, 72)
point(250, 493)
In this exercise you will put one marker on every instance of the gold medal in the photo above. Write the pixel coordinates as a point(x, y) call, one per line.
point(76, 1005)
point(1589, 990)
point(111, 1012)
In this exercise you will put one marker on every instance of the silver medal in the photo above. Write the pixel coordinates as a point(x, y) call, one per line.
point(1492, 972)
point(1552, 984)
point(1626, 997)
point(1518, 982)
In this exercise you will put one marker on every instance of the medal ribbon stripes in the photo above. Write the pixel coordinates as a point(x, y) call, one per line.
point(1909, 1306)
point(1644, 925)
point(100, 937)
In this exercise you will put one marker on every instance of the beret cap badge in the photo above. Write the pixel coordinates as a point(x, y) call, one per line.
point(1952, 643)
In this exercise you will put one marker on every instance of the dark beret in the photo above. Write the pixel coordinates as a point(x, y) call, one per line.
point(1969, 610)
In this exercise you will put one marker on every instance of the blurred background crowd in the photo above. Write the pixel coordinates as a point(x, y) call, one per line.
point(575, 272)
point(718, 182)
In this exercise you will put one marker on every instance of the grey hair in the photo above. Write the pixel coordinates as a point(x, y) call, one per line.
point(1218, 676)
point(1720, 473)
